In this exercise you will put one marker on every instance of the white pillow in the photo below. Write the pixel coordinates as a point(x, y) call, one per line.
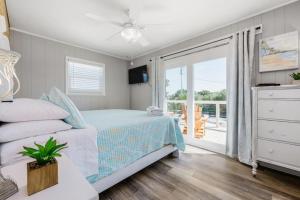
point(20, 130)
point(22, 109)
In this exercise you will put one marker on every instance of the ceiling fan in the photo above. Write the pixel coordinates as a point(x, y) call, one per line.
point(131, 31)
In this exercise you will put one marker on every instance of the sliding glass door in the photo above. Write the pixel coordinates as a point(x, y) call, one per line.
point(176, 94)
point(196, 93)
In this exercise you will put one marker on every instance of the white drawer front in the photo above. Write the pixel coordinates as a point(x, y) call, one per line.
point(279, 152)
point(279, 94)
point(277, 109)
point(284, 131)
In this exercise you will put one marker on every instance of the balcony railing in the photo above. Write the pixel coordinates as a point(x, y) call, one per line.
point(207, 109)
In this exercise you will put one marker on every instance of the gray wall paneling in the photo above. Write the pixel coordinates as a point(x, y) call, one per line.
point(42, 66)
point(275, 22)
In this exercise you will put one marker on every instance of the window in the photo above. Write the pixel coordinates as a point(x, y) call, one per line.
point(84, 77)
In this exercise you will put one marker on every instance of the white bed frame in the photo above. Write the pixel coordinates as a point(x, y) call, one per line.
point(133, 168)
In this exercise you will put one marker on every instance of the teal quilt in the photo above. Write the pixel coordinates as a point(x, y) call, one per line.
point(125, 136)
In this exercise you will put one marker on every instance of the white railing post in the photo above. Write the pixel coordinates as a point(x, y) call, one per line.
point(217, 114)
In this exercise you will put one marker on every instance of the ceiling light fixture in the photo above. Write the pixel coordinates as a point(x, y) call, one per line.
point(131, 34)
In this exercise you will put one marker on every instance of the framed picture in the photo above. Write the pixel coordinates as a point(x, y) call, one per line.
point(279, 52)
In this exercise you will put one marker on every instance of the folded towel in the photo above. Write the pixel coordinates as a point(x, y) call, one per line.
point(151, 108)
point(154, 111)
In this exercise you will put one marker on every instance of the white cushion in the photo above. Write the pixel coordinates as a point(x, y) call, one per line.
point(23, 109)
point(20, 130)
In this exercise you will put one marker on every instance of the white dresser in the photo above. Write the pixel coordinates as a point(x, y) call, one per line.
point(276, 127)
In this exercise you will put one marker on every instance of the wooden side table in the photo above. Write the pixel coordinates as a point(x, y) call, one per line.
point(71, 183)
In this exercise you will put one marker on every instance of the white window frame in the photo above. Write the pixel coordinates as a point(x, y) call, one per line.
point(87, 62)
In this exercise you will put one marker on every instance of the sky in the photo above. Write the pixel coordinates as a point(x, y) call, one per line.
point(208, 75)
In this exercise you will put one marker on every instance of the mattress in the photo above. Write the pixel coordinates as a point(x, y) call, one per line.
point(124, 136)
point(82, 148)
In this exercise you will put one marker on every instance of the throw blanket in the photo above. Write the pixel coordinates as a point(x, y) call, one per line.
point(125, 136)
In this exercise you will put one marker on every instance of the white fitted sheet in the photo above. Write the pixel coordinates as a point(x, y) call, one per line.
point(82, 148)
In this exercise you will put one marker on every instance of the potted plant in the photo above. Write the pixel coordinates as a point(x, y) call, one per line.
point(296, 78)
point(43, 172)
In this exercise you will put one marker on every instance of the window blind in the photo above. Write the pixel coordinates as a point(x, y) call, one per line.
point(85, 77)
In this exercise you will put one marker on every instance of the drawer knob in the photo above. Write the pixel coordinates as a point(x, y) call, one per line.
point(271, 94)
point(271, 131)
point(271, 110)
point(271, 150)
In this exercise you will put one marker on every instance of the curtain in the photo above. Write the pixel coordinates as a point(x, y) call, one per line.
point(157, 82)
point(239, 95)
point(153, 81)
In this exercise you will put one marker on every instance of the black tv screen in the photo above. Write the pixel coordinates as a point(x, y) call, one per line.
point(138, 75)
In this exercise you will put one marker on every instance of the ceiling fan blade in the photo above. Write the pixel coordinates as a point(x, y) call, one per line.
point(135, 10)
point(114, 35)
point(116, 23)
point(94, 17)
point(143, 41)
point(102, 20)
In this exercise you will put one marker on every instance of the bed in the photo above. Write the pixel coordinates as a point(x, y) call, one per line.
point(117, 144)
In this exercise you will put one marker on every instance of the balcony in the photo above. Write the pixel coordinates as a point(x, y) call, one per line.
point(210, 121)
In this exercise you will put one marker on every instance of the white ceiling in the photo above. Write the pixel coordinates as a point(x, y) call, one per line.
point(65, 20)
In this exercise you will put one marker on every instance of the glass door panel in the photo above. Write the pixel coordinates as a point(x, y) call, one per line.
point(210, 113)
point(176, 94)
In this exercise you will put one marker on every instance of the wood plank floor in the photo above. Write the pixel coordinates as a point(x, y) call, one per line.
point(198, 174)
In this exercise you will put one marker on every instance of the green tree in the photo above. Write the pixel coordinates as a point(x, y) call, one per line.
point(221, 95)
point(206, 95)
point(179, 95)
point(203, 95)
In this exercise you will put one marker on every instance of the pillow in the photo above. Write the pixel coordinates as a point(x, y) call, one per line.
point(23, 109)
point(60, 99)
point(44, 97)
point(20, 130)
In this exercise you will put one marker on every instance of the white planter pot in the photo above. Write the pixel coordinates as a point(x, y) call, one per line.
point(296, 82)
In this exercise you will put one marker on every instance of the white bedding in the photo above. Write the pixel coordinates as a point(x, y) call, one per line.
point(82, 148)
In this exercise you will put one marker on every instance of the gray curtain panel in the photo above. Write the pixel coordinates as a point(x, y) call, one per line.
point(154, 81)
point(239, 95)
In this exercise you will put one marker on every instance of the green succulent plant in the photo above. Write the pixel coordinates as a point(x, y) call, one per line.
point(295, 76)
point(44, 154)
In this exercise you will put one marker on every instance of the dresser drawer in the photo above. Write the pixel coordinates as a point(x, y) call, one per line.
point(279, 94)
point(279, 152)
point(279, 109)
point(284, 131)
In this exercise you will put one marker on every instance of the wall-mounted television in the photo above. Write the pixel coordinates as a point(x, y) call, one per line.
point(138, 75)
